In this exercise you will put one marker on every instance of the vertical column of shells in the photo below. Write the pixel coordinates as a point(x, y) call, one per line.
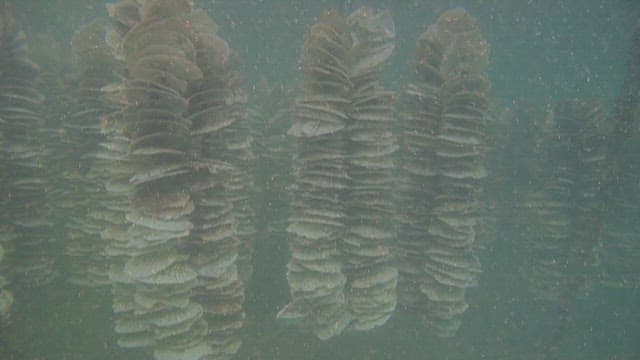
point(6, 232)
point(234, 145)
point(549, 204)
point(94, 66)
point(217, 111)
point(593, 165)
point(366, 244)
point(567, 206)
point(443, 152)
point(219, 107)
point(621, 250)
point(6, 297)
point(160, 60)
point(47, 52)
point(25, 191)
point(113, 153)
point(314, 272)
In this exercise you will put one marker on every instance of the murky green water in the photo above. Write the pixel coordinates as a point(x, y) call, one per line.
point(541, 53)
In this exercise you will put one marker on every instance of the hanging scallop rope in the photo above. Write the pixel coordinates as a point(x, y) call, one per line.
point(6, 235)
point(119, 168)
point(442, 170)
point(160, 61)
point(315, 276)
point(25, 193)
point(567, 204)
point(94, 66)
point(220, 246)
point(621, 251)
point(6, 302)
point(60, 156)
point(180, 150)
point(563, 255)
point(340, 272)
point(6, 297)
point(365, 247)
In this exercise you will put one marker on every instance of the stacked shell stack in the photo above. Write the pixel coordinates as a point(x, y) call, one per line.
point(160, 60)
point(340, 273)
point(589, 207)
point(218, 112)
point(442, 170)
point(6, 233)
point(222, 218)
point(366, 244)
point(25, 192)
point(48, 53)
point(6, 237)
point(119, 168)
point(567, 204)
point(177, 283)
point(6, 297)
point(94, 67)
point(115, 236)
point(314, 272)
point(621, 250)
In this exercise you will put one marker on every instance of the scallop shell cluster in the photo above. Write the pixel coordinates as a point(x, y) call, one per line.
point(340, 273)
point(6, 297)
point(567, 207)
point(442, 168)
point(176, 146)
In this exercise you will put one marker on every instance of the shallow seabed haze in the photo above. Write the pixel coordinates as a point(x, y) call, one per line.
point(542, 55)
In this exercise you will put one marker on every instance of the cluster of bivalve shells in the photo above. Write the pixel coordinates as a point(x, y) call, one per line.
point(340, 272)
point(5, 235)
point(567, 207)
point(94, 66)
point(218, 114)
point(366, 244)
point(160, 61)
point(172, 239)
point(443, 145)
point(621, 249)
point(6, 297)
point(314, 274)
point(25, 192)
point(223, 218)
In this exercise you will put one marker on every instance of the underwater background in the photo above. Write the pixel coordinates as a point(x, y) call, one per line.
point(540, 53)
